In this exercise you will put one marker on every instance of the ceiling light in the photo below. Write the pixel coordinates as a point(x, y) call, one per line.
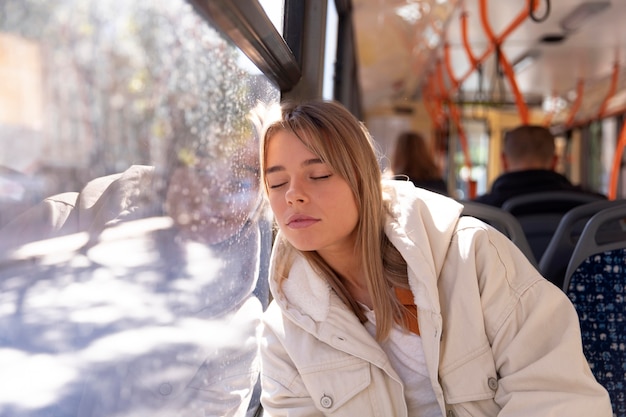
point(553, 104)
point(525, 60)
point(432, 38)
point(412, 12)
point(581, 13)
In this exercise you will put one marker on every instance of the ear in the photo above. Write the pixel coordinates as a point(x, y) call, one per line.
point(554, 162)
point(504, 161)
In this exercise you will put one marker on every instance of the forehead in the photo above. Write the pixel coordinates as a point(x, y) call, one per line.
point(285, 142)
point(298, 138)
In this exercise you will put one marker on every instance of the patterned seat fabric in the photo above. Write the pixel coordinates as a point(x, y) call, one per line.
point(598, 290)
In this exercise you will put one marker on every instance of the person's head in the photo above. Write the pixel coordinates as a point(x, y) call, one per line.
point(528, 147)
point(320, 172)
point(412, 157)
point(212, 189)
point(210, 199)
point(327, 133)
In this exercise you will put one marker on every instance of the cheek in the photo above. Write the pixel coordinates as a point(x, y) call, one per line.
point(349, 214)
point(345, 207)
point(277, 202)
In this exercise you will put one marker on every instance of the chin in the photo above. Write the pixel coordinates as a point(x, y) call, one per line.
point(303, 245)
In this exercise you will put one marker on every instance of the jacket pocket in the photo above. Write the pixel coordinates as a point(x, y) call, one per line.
point(473, 378)
point(332, 385)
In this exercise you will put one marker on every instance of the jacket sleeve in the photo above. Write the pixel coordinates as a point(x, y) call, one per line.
point(283, 391)
point(535, 337)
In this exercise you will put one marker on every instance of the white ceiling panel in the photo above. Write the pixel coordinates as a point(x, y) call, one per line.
point(398, 50)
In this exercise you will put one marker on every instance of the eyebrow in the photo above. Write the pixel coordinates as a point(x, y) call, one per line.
point(308, 162)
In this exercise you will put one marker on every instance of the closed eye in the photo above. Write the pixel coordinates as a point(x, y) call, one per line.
point(322, 177)
point(274, 186)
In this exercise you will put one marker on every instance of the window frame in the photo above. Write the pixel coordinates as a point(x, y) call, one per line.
point(247, 25)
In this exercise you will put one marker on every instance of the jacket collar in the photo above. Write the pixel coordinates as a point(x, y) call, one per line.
point(420, 225)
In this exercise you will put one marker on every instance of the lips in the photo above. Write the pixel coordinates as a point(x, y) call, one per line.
point(300, 221)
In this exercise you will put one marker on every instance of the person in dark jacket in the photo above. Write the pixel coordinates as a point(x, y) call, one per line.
point(413, 160)
point(529, 160)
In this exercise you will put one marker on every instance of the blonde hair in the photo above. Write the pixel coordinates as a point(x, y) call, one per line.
point(335, 136)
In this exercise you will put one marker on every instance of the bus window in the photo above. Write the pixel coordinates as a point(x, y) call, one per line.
point(330, 51)
point(607, 152)
point(132, 224)
point(478, 145)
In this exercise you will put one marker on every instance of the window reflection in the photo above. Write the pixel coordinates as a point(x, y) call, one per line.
point(132, 224)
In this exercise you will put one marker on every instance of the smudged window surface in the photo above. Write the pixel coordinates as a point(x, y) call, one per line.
point(131, 223)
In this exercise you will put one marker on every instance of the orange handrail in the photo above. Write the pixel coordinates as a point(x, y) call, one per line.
point(446, 55)
point(506, 66)
point(437, 102)
point(455, 117)
point(473, 61)
point(523, 15)
point(617, 164)
point(519, 19)
point(611, 91)
point(576, 105)
point(431, 112)
point(519, 98)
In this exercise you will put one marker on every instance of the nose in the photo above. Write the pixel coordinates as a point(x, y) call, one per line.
point(295, 193)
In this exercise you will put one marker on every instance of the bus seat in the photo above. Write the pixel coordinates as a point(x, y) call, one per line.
point(553, 262)
point(540, 213)
point(502, 221)
point(595, 282)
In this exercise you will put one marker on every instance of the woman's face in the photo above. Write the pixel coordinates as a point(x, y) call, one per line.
point(211, 200)
point(314, 207)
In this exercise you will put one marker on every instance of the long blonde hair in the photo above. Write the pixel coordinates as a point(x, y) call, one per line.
point(335, 136)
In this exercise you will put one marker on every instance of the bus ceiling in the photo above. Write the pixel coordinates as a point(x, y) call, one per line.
point(565, 59)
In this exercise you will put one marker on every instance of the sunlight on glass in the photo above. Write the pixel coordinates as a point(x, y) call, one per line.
point(275, 11)
point(131, 223)
point(53, 374)
point(330, 51)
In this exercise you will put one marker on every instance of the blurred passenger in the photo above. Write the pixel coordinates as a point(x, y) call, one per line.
point(529, 160)
point(151, 310)
point(412, 160)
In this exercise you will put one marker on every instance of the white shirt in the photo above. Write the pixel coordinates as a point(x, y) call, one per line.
point(405, 352)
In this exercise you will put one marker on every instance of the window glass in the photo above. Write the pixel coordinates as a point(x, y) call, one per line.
point(478, 145)
point(608, 145)
point(595, 171)
point(330, 50)
point(131, 223)
point(275, 10)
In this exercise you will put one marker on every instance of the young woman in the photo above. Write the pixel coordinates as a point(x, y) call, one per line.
point(388, 303)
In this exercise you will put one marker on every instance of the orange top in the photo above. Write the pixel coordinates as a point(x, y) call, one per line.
point(405, 296)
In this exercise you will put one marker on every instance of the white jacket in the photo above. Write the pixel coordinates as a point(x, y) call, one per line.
point(498, 338)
